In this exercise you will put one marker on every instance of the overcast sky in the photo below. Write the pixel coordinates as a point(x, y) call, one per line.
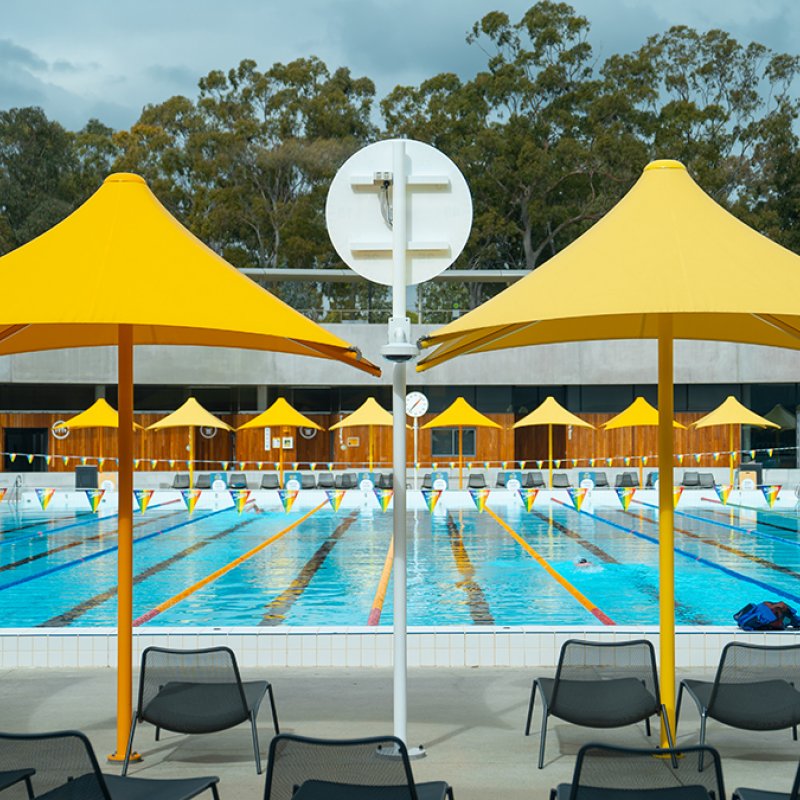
point(108, 58)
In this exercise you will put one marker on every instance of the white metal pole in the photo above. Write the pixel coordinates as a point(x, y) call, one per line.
point(399, 243)
point(416, 452)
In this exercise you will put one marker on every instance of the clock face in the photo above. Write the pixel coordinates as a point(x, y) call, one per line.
point(416, 404)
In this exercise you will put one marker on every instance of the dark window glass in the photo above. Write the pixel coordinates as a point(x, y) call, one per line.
point(25, 441)
point(444, 442)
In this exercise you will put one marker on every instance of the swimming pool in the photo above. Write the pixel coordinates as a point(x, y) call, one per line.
point(317, 567)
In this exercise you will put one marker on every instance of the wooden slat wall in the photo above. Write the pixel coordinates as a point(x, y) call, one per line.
point(492, 444)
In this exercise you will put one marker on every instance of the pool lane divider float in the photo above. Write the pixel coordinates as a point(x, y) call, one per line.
point(383, 584)
point(278, 609)
point(557, 577)
point(785, 515)
point(691, 556)
point(175, 599)
point(78, 561)
point(762, 562)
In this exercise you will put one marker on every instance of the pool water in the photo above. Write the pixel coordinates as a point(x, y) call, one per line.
point(464, 567)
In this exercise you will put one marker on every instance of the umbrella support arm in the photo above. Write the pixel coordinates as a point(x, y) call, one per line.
point(666, 405)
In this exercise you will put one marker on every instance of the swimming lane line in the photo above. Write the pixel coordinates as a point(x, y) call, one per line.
point(476, 600)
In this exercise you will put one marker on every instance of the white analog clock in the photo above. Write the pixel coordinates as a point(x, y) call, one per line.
point(416, 404)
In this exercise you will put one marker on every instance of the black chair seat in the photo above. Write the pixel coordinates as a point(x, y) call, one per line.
point(760, 794)
point(755, 705)
point(11, 776)
point(563, 792)
point(328, 790)
point(184, 707)
point(600, 703)
point(84, 788)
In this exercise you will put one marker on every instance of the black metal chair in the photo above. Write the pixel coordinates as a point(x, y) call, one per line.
point(11, 777)
point(377, 768)
point(197, 691)
point(308, 482)
point(600, 685)
point(63, 766)
point(600, 480)
point(180, 480)
point(761, 794)
point(385, 480)
point(500, 482)
point(690, 480)
point(202, 481)
point(707, 480)
point(476, 480)
point(427, 481)
point(603, 772)
point(755, 689)
point(627, 480)
point(325, 481)
point(270, 480)
point(534, 480)
point(238, 480)
point(561, 480)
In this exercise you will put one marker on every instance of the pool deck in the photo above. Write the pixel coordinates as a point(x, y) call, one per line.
point(470, 720)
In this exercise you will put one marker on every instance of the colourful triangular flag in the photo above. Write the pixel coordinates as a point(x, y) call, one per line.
point(431, 497)
point(240, 498)
point(190, 497)
point(723, 492)
point(287, 498)
point(528, 497)
point(94, 496)
point(142, 497)
point(153, 463)
point(384, 497)
point(2, 493)
point(625, 496)
point(335, 497)
point(771, 494)
point(677, 491)
point(30, 458)
point(680, 458)
point(577, 496)
point(479, 497)
point(45, 496)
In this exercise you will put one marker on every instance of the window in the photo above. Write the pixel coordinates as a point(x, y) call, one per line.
point(444, 442)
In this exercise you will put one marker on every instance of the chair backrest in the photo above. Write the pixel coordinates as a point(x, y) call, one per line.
point(269, 480)
point(707, 480)
point(689, 773)
point(560, 480)
point(600, 480)
point(385, 480)
point(534, 480)
point(238, 480)
point(477, 480)
point(629, 480)
point(296, 760)
point(59, 758)
point(349, 480)
point(325, 480)
point(582, 660)
point(171, 678)
point(180, 480)
point(651, 479)
point(202, 481)
point(501, 479)
point(308, 482)
point(427, 481)
point(690, 478)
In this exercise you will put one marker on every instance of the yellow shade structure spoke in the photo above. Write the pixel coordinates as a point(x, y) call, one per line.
point(550, 413)
point(280, 415)
point(460, 414)
point(732, 413)
point(370, 414)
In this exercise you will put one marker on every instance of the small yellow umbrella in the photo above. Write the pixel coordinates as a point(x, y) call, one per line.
point(639, 414)
point(550, 413)
point(460, 414)
point(190, 415)
point(370, 414)
point(280, 415)
point(731, 412)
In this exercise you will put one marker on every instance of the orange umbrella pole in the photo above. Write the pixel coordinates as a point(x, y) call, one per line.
point(191, 457)
point(370, 447)
point(280, 457)
point(460, 457)
point(125, 543)
point(730, 452)
point(550, 452)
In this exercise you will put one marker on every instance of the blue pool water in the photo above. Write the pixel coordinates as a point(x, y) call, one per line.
point(464, 568)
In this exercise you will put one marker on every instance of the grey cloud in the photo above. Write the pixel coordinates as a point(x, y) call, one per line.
point(12, 55)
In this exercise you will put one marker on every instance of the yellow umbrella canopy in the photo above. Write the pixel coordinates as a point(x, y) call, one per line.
point(665, 263)
point(639, 414)
point(460, 414)
point(369, 414)
point(190, 415)
point(550, 413)
point(98, 415)
point(280, 414)
point(128, 273)
point(731, 412)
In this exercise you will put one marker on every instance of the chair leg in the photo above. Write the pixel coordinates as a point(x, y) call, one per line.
point(543, 736)
point(678, 709)
point(794, 732)
point(214, 791)
point(449, 793)
point(703, 719)
point(647, 726)
point(255, 743)
point(530, 709)
point(130, 746)
point(29, 788)
point(158, 734)
point(665, 723)
point(274, 712)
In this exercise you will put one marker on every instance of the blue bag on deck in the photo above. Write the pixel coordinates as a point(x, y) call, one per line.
point(767, 616)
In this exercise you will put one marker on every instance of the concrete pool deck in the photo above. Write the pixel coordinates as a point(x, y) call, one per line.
point(470, 720)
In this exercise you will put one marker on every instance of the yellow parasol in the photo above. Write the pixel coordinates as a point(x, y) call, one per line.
point(665, 263)
point(639, 414)
point(280, 415)
point(99, 415)
point(370, 414)
point(460, 414)
point(731, 412)
point(550, 413)
point(190, 415)
point(125, 268)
